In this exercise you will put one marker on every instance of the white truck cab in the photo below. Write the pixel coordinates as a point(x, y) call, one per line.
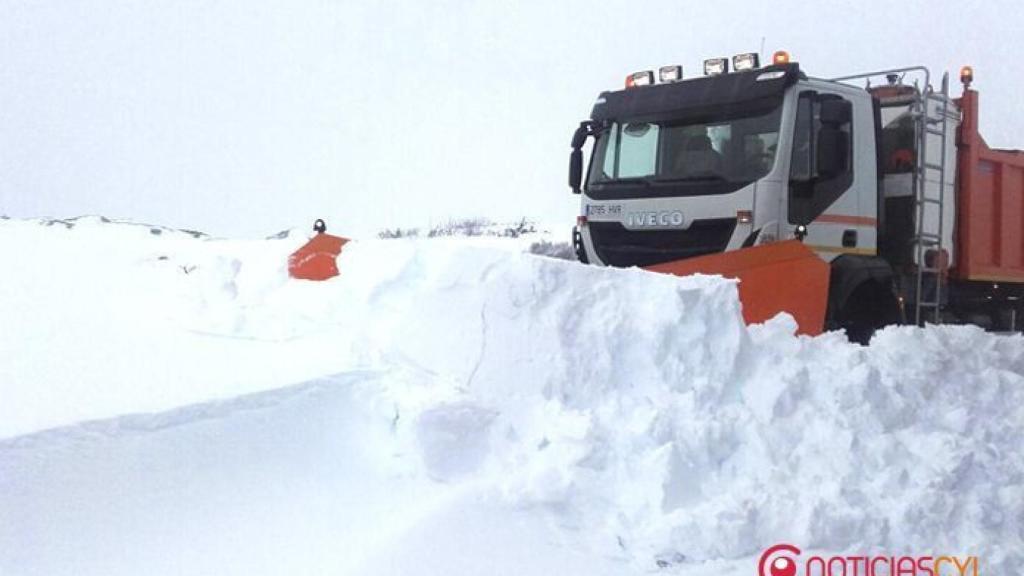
point(720, 162)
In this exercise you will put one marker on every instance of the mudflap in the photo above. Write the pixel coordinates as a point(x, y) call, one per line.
point(778, 277)
point(316, 259)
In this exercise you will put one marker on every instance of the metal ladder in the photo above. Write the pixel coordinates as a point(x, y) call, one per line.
point(932, 109)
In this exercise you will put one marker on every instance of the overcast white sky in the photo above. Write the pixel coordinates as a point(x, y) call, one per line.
point(245, 117)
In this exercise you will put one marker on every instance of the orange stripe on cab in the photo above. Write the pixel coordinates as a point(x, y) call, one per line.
point(845, 219)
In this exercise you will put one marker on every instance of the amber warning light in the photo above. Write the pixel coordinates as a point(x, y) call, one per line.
point(780, 57)
point(967, 76)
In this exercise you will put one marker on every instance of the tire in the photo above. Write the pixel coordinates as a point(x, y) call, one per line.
point(872, 306)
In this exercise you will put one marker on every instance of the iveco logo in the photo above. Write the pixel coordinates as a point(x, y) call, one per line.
point(641, 219)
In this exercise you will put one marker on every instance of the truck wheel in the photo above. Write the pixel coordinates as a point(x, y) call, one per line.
point(870, 307)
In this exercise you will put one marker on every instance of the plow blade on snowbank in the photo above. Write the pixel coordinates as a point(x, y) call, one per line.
point(779, 277)
point(317, 259)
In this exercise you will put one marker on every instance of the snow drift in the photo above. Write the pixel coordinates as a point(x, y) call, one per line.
point(461, 407)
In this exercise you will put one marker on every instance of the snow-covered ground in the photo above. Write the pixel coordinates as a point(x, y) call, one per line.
point(172, 404)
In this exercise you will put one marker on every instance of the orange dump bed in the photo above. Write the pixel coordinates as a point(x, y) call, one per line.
point(990, 205)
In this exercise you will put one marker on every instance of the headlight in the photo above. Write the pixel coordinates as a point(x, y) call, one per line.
point(716, 66)
point(747, 61)
point(668, 74)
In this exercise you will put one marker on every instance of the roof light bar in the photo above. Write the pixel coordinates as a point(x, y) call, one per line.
point(645, 78)
point(746, 61)
point(716, 66)
point(670, 74)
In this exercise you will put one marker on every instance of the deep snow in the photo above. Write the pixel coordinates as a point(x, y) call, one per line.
point(171, 404)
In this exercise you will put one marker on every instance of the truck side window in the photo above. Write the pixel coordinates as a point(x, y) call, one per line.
point(811, 188)
point(898, 141)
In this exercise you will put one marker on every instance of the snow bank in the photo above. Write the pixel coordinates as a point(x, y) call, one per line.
point(640, 408)
point(512, 414)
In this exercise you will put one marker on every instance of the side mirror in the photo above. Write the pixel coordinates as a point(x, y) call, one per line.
point(833, 152)
point(576, 170)
point(586, 128)
point(835, 112)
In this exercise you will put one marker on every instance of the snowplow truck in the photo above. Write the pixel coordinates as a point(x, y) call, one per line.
point(851, 203)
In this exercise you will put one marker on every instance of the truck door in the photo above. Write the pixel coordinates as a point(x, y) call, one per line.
point(832, 183)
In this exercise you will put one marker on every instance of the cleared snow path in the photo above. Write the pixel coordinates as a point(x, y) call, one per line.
point(305, 480)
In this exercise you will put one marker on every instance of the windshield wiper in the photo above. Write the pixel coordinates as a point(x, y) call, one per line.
point(627, 181)
point(648, 182)
point(700, 178)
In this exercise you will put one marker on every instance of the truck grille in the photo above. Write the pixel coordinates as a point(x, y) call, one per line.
point(618, 246)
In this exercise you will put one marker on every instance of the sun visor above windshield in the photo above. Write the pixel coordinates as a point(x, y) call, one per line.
point(761, 88)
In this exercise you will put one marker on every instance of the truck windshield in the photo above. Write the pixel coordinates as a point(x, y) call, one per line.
point(736, 150)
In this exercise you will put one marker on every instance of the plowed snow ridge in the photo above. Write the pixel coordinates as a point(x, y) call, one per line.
point(473, 409)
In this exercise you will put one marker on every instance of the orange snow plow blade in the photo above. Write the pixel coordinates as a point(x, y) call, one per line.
point(317, 259)
point(783, 276)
